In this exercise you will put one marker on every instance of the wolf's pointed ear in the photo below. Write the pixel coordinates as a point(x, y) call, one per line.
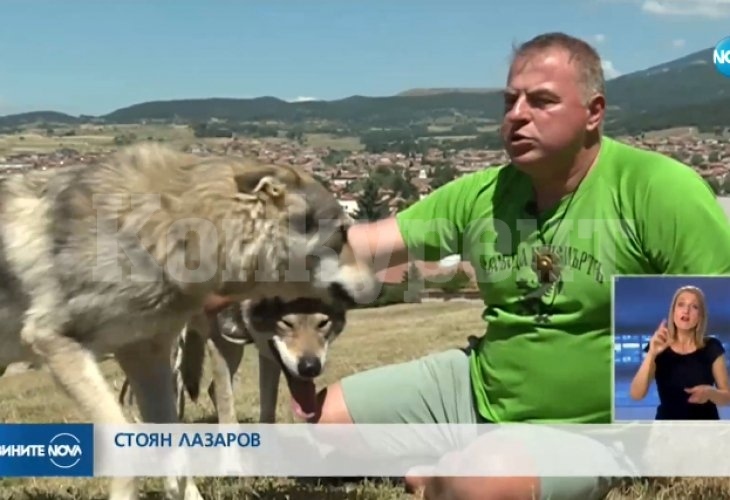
point(256, 177)
point(265, 179)
point(248, 180)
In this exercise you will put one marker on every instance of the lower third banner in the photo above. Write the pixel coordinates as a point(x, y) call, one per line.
point(690, 449)
point(378, 450)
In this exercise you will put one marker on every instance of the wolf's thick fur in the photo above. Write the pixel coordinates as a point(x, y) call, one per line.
point(284, 333)
point(116, 257)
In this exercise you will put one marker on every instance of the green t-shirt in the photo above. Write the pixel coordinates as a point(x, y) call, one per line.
point(547, 355)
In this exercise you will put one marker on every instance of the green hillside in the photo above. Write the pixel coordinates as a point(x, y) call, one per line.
point(355, 110)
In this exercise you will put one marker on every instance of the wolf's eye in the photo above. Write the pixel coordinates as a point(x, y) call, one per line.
point(324, 323)
point(285, 324)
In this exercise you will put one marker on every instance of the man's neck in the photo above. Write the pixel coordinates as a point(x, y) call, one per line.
point(550, 190)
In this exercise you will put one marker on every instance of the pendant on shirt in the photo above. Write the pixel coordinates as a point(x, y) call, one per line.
point(546, 264)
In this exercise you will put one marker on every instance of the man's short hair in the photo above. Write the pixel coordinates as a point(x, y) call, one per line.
point(582, 54)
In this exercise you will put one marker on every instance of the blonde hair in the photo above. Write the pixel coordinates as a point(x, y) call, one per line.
point(701, 328)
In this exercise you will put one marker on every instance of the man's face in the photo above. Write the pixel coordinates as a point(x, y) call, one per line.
point(545, 113)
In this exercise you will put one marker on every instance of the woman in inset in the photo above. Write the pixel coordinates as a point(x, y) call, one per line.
point(688, 366)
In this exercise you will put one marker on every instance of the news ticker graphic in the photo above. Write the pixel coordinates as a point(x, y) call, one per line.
point(693, 449)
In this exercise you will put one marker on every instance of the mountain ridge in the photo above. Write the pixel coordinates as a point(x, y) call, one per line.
point(643, 95)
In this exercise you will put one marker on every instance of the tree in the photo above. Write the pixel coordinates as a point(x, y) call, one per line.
point(296, 134)
point(724, 184)
point(442, 175)
point(716, 185)
point(369, 206)
point(401, 184)
point(697, 160)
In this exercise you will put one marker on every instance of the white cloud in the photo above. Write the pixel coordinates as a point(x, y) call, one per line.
point(678, 43)
point(609, 70)
point(599, 38)
point(700, 8)
point(304, 99)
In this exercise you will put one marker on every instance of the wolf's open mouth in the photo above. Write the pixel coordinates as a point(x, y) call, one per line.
point(303, 391)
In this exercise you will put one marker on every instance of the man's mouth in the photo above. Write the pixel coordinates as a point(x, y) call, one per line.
point(517, 137)
point(302, 390)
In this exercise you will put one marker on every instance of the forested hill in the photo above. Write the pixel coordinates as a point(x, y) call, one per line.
point(684, 91)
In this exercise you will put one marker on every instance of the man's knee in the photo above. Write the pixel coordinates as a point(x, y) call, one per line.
point(331, 406)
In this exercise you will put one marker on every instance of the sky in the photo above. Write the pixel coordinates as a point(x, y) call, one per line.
point(95, 56)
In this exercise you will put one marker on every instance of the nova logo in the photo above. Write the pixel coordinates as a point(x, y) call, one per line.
point(64, 450)
point(721, 57)
point(46, 450)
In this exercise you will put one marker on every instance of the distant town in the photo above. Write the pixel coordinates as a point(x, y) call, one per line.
point(709, 156)
point(343, 172)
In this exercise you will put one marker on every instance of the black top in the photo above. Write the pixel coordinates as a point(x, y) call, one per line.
point(676, 372)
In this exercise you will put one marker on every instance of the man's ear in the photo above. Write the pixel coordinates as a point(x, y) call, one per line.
point(596, 112)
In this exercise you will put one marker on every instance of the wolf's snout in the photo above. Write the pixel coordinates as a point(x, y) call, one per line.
point(309, 366)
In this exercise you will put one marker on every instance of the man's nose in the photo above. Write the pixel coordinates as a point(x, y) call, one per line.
point(519, 110)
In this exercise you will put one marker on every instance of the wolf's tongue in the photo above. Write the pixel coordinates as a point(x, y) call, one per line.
point(304, 397)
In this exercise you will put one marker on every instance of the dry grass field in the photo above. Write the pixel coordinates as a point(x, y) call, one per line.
point(35, 141)
point(90, 138)
point(330, 141)
point(374, 337)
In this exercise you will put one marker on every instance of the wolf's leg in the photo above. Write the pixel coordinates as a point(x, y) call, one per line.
point(75, 369)
point(178, 379)
point(149, 370)
point(26, 232)
point(226, 358)
point(126, 394)
point(269, 375)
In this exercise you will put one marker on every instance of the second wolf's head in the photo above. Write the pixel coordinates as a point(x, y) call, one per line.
point(296, 333)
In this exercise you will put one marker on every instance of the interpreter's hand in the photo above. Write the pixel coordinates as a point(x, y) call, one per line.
point(699, 394)
point(660, 340)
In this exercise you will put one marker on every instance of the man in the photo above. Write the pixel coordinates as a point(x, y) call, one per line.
point(545, 234)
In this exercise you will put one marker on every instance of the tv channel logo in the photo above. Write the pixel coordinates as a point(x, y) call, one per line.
point(721, 57)
point(50, 450)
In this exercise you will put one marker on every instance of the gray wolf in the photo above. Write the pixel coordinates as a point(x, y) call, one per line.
point(116, 257)
point(292, 337)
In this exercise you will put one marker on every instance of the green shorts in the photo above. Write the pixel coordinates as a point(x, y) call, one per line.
point(436, 389)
